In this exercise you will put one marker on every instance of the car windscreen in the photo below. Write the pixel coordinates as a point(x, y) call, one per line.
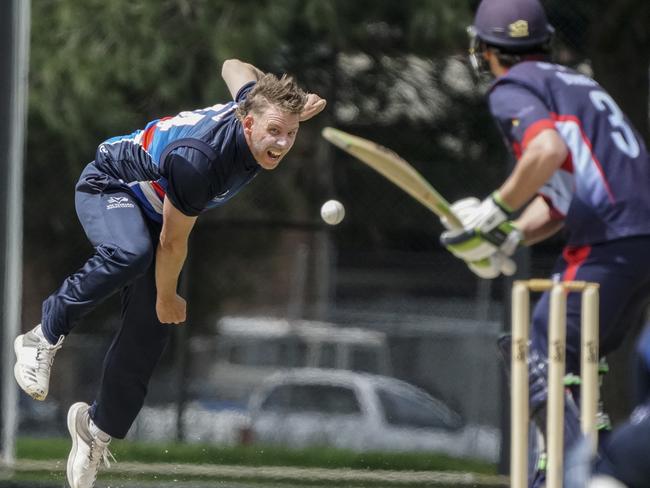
point(405, 408)
point(314, 398)
point(284, 352)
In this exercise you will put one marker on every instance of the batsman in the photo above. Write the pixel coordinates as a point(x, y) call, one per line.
point(580, 167)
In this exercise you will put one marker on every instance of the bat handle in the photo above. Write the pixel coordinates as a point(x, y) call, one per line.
point(508, 266)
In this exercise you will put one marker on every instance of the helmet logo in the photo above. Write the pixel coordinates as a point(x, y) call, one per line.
point(518, 29)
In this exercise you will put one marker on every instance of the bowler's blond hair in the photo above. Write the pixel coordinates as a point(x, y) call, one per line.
point(284, 93)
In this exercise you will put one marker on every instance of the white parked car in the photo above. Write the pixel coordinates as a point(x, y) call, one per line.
point(311, 407)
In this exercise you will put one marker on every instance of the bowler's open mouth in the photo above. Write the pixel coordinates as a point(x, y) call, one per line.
point(274, 155)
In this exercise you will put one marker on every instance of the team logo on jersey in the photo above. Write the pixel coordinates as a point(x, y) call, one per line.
point(518, 29)
point(118, 202)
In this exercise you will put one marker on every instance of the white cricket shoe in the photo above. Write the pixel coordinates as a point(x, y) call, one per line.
point(34, 357)
point(89, 448)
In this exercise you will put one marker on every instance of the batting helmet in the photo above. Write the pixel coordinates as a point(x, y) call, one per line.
point(513, 25)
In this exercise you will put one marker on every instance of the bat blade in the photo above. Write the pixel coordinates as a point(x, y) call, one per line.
point(403, 175)
point(395, 169)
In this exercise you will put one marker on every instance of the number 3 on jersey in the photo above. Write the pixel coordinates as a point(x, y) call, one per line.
point(622, 134)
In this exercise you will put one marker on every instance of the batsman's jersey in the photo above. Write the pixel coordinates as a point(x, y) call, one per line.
point(603, 188)
point(199, 159)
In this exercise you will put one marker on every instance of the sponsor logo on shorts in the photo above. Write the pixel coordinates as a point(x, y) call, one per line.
point(119, 202)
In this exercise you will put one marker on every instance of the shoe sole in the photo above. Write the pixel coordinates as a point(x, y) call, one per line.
point(17, 375)
point(72, 428)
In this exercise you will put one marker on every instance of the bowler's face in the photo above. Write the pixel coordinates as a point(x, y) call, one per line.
point(270, 134)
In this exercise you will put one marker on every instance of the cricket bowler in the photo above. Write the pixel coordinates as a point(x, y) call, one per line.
point(138, 202)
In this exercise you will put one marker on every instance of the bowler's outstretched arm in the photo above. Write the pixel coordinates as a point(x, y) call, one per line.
point(170, 256)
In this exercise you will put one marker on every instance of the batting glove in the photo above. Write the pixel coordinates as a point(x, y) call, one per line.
point(486, 231)
point(493, 266)
point(463, 209)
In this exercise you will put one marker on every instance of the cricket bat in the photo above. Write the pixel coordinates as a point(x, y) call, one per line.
point(395, 169)
point(402, 174)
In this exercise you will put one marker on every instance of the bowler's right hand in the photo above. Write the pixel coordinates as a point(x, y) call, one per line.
point(314, 105)
point(171, 310)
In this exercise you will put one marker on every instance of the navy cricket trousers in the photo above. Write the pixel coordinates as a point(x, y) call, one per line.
point(125, 243)
point(622, 269)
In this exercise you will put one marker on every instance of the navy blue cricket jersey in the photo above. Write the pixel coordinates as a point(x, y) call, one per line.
point(603, 188)
point(195, 176)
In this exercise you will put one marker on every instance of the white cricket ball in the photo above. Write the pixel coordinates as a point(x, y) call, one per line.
point(332, 212)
